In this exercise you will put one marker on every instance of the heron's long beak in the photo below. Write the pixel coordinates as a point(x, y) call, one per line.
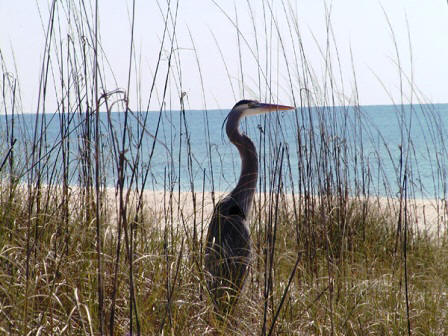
point(261, 108)
point(274, 107)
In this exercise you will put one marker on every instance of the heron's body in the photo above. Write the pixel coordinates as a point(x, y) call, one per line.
point(228, 250)
point(228, 253)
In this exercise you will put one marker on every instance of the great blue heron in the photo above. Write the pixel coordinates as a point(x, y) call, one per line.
point(228, 251)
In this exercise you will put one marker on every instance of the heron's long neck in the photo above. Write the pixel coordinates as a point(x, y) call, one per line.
point(247, 183)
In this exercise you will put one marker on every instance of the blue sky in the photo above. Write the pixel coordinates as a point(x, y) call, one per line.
point(371, 39)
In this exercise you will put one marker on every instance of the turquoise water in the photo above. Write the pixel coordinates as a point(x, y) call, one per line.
point(363, 145)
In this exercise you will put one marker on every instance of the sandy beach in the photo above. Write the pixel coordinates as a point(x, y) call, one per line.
point(424, 215)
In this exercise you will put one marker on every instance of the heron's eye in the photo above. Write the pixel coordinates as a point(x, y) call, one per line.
point(252, 104)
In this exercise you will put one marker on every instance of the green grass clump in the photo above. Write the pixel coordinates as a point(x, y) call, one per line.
point(353, 282)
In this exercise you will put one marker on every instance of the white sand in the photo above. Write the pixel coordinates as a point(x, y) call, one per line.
point(424, 215)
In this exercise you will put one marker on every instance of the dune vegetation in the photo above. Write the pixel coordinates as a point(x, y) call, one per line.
point(89, 247)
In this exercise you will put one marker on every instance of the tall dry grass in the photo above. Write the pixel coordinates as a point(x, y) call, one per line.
point(330, 257)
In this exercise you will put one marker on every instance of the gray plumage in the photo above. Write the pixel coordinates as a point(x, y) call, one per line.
point(228, 248)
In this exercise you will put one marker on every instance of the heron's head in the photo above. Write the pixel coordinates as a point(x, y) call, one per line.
point(246, 108)
point(252, 107)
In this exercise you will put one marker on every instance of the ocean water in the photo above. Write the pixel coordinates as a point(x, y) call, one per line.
point(369, 147)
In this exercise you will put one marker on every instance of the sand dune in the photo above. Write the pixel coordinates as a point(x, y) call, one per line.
point(424, 215)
